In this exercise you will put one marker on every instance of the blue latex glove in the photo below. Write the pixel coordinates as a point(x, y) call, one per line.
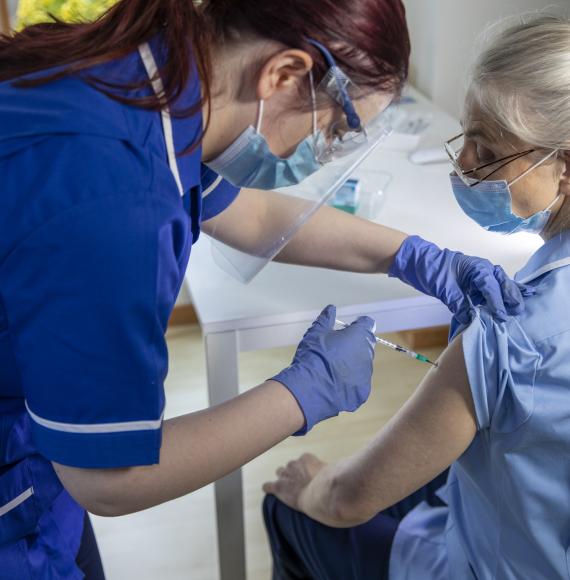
point(459, 281)
point(332, 369)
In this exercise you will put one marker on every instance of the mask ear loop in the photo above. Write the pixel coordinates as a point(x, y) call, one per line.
point(261, 109)
point(314, 103)
point(259, 116)
point(534, 167)
point(553, 203)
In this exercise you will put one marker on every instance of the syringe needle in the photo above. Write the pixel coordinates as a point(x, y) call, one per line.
point(406, 351)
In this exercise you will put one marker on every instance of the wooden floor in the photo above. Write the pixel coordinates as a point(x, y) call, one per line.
point(176, 541)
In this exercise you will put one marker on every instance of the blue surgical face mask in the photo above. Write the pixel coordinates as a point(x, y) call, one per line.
point(249, 162)
point(489, 203)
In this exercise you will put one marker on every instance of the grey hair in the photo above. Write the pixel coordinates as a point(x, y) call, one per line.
point(521, 81)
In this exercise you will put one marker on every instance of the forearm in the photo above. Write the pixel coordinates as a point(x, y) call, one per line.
point(330, 239)
point(340, 241)
point(351, 491)
point(336, 240)
point(197, 449)
point(430, 432)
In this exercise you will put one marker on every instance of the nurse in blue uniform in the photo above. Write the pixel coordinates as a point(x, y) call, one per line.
point(119, 142)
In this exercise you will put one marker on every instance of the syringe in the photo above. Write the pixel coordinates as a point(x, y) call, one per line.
point(396, 347)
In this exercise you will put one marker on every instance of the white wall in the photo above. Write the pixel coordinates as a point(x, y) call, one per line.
point(443, 41)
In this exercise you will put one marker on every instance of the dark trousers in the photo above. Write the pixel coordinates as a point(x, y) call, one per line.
point(304, 549)
point(88, 559)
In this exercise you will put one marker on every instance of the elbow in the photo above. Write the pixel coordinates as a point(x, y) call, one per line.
point(110, 501)
point(100, 492)
point(99, 509)
point(104, 507)
point(348, 503)
point(101, 503)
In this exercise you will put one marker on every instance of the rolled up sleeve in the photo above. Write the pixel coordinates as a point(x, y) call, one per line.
point(501, 364)
point(217, 193)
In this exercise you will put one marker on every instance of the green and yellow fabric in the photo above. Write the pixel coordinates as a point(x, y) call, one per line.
point(36, 11)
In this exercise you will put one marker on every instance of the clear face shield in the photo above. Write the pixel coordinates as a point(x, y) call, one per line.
point(317, 170)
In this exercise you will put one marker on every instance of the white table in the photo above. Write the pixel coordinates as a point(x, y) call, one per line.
point(278, 306)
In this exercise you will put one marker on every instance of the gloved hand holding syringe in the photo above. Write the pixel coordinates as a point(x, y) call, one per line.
point(396, 347)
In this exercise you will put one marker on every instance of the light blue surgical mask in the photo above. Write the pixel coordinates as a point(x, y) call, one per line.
point(489, 203)
point(249, 162)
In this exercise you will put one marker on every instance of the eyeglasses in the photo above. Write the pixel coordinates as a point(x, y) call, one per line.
point(454, 147)
point(341, 142)
point(348, 134)
point(337, 85)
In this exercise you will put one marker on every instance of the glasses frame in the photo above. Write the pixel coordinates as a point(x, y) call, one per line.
point(464, 175)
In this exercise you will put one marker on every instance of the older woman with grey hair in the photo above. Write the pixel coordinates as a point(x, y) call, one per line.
point(497, 409)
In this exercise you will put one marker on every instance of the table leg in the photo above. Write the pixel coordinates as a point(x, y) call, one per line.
point(223, 384)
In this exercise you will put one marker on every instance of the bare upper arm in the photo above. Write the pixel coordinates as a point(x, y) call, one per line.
point(249, 208)
point(94, 489)
point(255, 219)
point(430, 432)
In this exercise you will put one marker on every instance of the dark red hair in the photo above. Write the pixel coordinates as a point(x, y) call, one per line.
point(368, 38)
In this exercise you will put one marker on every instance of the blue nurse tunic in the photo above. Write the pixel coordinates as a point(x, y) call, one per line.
point(95, 235)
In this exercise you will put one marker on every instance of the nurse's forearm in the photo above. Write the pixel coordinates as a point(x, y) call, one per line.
point(197, 449)
point(340, 241)
point(330, 239)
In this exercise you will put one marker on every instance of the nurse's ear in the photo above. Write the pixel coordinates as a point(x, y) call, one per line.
point(283, 72)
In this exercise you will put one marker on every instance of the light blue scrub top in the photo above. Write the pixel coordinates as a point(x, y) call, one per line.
point(508, 495)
